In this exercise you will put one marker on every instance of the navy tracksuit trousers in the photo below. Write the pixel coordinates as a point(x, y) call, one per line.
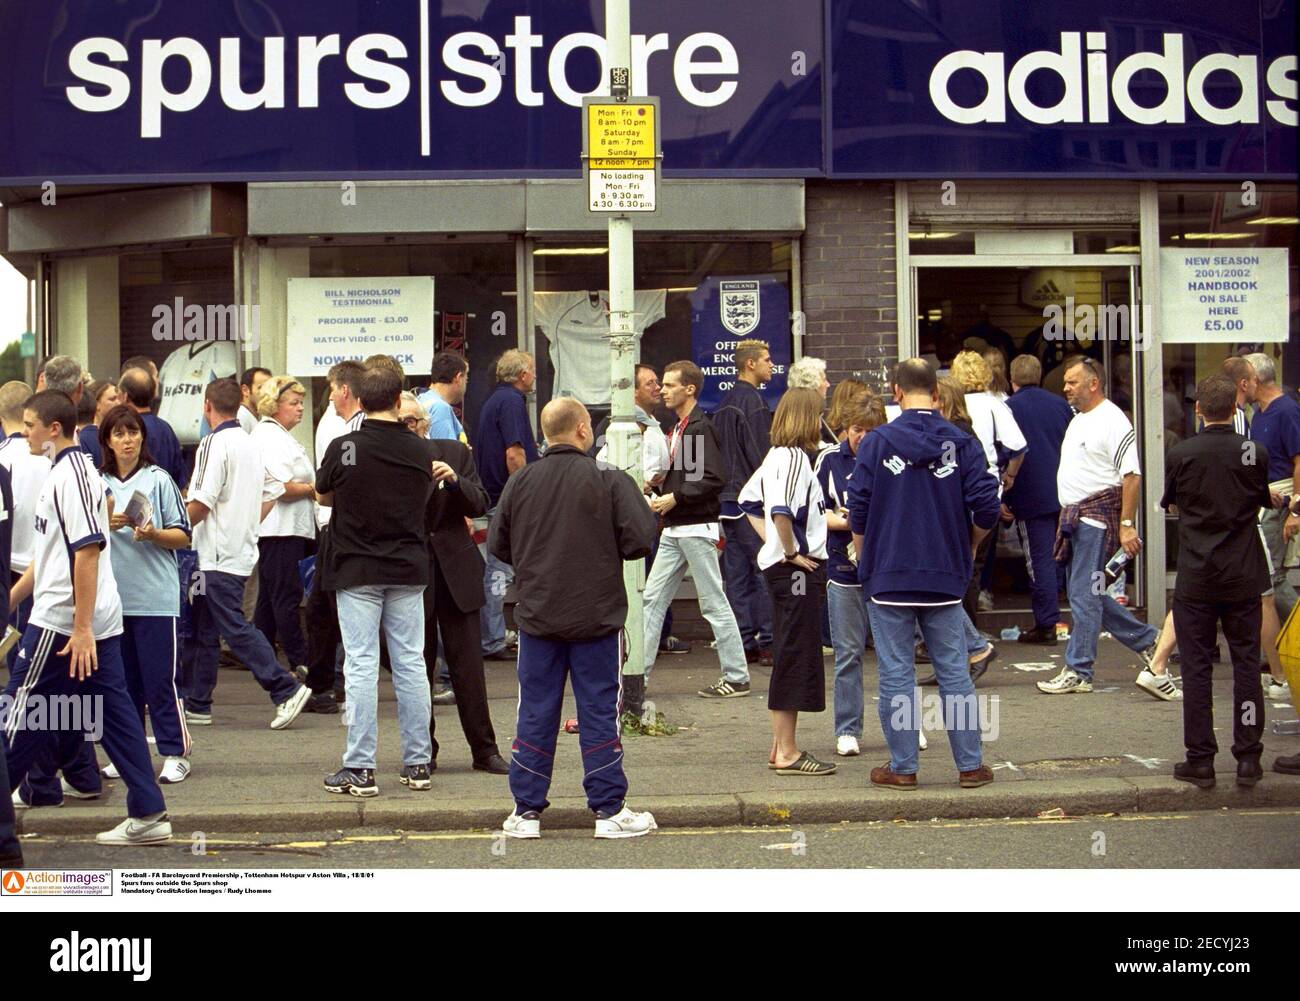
point(105, 704)
point(596, 669)
point(151, 664)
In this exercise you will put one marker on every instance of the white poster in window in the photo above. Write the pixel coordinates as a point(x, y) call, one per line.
point(1223, 296)
point(341, 319)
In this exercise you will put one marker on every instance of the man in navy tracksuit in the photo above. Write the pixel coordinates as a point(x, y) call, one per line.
point(566, 525)
point(1032, 498)
point(922, 474)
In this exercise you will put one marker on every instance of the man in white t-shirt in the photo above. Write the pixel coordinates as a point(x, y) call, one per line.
point(225, 507)
point(1099, 485)
point(343, 416)
point(71, 648)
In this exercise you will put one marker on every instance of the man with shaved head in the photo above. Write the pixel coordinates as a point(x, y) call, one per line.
point(135, 388)
point(570, 618)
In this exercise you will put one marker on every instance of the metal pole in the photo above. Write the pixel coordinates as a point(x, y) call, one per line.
point(624, 436)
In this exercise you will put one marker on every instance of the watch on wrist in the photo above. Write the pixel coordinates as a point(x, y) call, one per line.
point(1127, 522)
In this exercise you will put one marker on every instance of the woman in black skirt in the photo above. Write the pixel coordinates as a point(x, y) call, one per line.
point(784, 503)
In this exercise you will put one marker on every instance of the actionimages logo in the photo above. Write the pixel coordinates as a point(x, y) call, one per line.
point(56, 883)
point(1183, 86)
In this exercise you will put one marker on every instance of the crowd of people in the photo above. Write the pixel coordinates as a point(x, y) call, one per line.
point(132, 563)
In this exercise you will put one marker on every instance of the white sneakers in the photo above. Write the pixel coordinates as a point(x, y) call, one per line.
point(847, 746)
point(625, 824)
point(109, 771)
point(197, 719)
point(1277, 692)
point(152, 830)
point(76, 793)
point(290, 709)
point(1065, 683)
point(1159, 686)
point(19, 802)
point(174, 770)
point(525, 826)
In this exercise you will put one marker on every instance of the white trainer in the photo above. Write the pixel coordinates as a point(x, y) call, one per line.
point(1278, 692)
point(175, 769)
point(77, 793)
point(1159, 686)
point(153, 830)
point(109, 771)
point(625, 824)
point(290, 709)
point(19, 802)
point(197, 719)
point(523, 825)
point(846, 746)
point(1065, 683)
point(924, 743)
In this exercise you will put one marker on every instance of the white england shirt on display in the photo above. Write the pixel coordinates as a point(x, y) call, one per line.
point(184, 377)
point(577, 328)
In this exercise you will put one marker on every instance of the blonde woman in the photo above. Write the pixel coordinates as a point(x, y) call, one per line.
point(288, 527)
point(783, 501)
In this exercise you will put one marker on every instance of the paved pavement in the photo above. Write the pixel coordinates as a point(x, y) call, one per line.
point(1108, 752)
point(1202, 839)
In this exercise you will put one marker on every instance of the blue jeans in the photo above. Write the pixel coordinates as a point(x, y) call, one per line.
point(893, 627)
point(1093, 609)
point(497, 578)
point(974, 641)
point(218, 611)
point(399, 609)
point(849, 638)
point(1045, 572)
point(746, 592)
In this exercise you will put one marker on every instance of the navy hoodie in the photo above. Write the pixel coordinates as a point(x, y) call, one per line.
point(918, 484)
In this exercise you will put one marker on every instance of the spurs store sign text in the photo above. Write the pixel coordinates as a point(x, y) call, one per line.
point(172, 90)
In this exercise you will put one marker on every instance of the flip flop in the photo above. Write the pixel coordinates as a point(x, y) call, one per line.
point(807, 765)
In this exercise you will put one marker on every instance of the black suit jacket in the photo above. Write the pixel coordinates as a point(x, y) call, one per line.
point(450, 542)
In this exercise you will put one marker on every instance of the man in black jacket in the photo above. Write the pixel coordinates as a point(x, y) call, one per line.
point(455, 591)
point(689, 502)
point(1218, 481)
point(566, 526)
point(743, 424)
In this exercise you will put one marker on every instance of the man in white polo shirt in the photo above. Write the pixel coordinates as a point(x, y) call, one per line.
point(71, 648)
point(225, 506)
point(1099, 483)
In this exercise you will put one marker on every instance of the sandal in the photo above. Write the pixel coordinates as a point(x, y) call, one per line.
point(807, 765)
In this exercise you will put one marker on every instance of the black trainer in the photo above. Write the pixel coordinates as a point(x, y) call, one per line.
point(415, 776)
point(322, 703)
point(1046, 635)
point(353, 781)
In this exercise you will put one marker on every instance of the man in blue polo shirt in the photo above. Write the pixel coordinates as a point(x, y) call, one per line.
point(1032, 498)
point(503, 444)
point(1277, 427)
point(447, 383)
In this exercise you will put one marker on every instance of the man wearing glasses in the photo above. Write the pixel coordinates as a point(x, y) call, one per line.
point(1098, 483)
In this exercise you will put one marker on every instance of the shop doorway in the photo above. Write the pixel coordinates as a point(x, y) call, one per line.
point(1052, 311)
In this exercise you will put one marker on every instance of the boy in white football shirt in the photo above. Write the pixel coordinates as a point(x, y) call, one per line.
point(72, 644)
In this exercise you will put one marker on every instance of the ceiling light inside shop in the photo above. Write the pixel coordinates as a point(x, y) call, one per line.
point(931, 236)
point(1217, 236)
point(934, 315)
point(1125, 249)
point(1274, 220)
point(570, 251)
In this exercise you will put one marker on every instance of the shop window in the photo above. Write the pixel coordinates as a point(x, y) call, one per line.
point(473, 301)
point(677, 302)
point(1227, 217)
point(203, 277)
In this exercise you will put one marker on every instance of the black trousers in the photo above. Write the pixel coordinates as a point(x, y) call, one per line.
point(1196, 624)
point(323, 639)
point(279, 594)
point(461, 645)
point(798, 672)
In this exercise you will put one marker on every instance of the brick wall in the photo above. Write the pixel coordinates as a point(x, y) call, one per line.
point(849, 284)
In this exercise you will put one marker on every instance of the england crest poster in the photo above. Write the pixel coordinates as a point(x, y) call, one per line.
point(732, 308)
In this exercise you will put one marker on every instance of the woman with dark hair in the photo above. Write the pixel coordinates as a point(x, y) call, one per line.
point(147, 521)
point(783, 501)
